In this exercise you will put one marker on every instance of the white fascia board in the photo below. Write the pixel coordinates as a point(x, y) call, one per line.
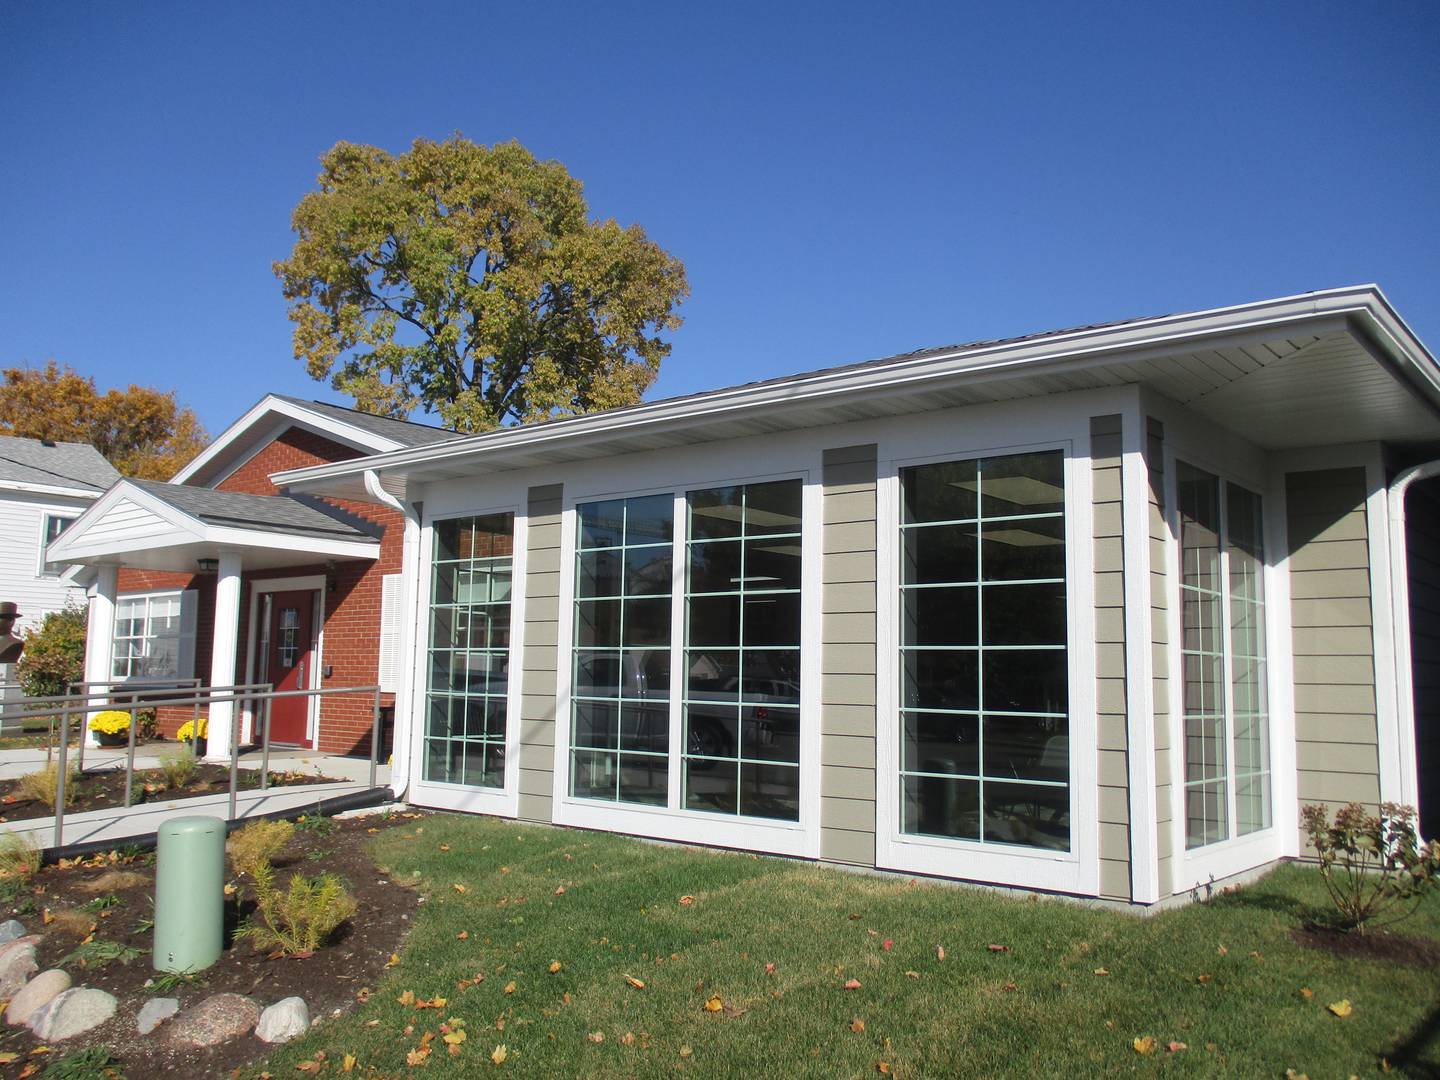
point(49, 489)
point(1364, 302)
point(69, 547)
point(268, 406)
point(300, 543)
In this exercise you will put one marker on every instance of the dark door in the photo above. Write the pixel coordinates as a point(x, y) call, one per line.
point(291, 664)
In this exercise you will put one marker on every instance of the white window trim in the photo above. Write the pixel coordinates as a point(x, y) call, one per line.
point(1197, 868)
point(504, 801)
point(46, 516)
point(185, 648)
point(672, 822)
point(252, 648)
point(1073, 871)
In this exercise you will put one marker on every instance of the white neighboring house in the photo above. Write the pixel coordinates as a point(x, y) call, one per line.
point(44, 486)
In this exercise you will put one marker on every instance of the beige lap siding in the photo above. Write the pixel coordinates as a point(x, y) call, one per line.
point(1160, 570)
point(541, 653)
point(1110, 714)
point(847, 669)
point(1335, 728)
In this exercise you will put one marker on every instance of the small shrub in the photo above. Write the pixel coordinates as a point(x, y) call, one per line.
point(101, 903)
point(90, 954)
point(299, 919)
point(256, 844)
point(174, 980)
point(178, 767)
point(40, 786)
point(19, 858)
point(147, 729)
point(1373, 866)
point(54, 655)
point(318, 824)
point(110, 722)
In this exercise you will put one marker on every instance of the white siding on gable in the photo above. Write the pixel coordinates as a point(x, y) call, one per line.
point(392, 590)
point(126, 520)
point(22, 534)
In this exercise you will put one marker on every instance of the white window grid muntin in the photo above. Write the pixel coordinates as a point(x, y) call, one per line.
point(1217, 852)
point(138, 643)
point(1075, 870)
point(487, 741)
point(674, 820)
point(980, 585)
point(620, 651)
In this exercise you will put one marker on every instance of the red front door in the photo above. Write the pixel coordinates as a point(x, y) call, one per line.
point(291, 664)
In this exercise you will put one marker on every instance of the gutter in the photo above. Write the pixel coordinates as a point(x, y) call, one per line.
point(1409, 788)
point(404, 696)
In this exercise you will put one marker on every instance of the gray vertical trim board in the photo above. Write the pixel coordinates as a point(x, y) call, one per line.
point(847, 656)
point(1112, 768)
point(541, 653)
point(1160, 572)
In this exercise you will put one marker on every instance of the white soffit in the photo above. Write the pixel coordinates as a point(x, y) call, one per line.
point(1288, 373)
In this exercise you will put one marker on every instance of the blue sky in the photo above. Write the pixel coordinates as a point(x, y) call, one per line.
point(841, 181)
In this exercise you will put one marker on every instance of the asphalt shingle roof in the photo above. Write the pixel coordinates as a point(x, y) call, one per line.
point(271, 513)
point(405, 432)
point(59, 464)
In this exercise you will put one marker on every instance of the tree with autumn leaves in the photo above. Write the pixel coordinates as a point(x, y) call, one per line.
point(471, 283)
point(142, 431)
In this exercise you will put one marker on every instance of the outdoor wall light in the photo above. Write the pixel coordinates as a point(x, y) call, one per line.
point(208, 566)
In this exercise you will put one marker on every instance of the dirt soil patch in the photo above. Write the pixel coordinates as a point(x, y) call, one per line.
point(1380, 946)
point(106, 790)
point(112, 897)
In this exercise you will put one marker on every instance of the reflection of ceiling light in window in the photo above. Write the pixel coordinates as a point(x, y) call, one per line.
point(1020, 490)
point(1020, 538)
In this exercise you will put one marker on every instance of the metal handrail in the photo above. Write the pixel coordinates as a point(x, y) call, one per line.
point(261, 693)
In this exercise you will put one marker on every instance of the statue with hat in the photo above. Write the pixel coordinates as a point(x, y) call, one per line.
point(10, 646)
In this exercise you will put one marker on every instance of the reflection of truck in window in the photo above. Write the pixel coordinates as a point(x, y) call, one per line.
point(714, 696)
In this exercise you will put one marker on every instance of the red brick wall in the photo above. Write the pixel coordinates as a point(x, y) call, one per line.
point(351, 644)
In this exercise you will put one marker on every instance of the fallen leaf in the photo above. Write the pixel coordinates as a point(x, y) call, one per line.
point(628, 1039)
point(394, 959)
point(998, 948)
point(1175, 1046)
point(463, 935)
point(433, 1003)
point(852, 984)
point(636, 983)
point(770, 969)
point(1144, 1045)
point(857, 1025)
point(559, 890)
point(554, 967)
point(686, 901)
point(455, 1038)
point(407, 997)
point(1306, 993)
point(8, 1057)
point(883, 1068)
point(347, 1063)
point(1222, 951)
point(1341, 1008)
point(685, 1052)
point(1202, 978)
point(444, 847)
point(458, 887)
point(1102, 971)
point(887, 944)
point(510, 987)
point(499, 1054)
point(939, 952)
point(714, 1004)
point(596, 1036)
point(732, 1013)
point(912, 974)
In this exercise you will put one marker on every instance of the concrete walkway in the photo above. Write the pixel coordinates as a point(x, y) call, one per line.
point(119, 825)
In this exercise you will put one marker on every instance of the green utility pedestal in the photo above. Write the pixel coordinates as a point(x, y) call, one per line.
point(189, 893)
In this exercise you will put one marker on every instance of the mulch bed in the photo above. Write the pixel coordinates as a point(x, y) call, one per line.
point(329, 980)
point(106, 790)
point(1380, 946)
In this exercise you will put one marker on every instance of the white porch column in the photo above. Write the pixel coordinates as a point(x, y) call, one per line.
point(225, 644)
point(100, 633)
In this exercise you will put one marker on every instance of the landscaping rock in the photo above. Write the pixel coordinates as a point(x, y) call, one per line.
point(283, 1021)
point(37, 992)
point(17, 964)
point(154, 1013)
point(216, 1019)
point(72, 1013)
point(11, 929)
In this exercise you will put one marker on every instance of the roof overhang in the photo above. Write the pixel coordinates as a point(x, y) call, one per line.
point(1333, 366)
point(60, 490)
point(262, 423)
point(130, 527)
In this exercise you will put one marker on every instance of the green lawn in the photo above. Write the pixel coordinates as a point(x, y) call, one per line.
point(1222, 977)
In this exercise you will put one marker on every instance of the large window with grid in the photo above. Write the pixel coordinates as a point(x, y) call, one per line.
point(620, 705)
point(742, 650)
point(984, 685)
point(1224, 671)
point(469, 650)
point(154, 636)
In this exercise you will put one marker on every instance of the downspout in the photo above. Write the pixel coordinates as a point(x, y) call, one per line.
point(1400, 621)
point(400, 755)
